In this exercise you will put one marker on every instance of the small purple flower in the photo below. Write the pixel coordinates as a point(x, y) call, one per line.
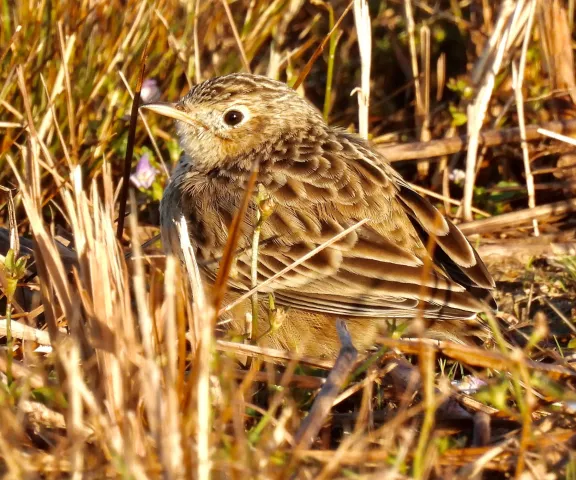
point(457, 175)
point(145, 173)
point(150, 91)
point(469, 384)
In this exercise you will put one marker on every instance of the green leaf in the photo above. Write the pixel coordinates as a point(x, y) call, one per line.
point(458, 118)
point(9, 261)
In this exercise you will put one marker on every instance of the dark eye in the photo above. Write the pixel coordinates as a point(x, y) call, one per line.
point(233, 117)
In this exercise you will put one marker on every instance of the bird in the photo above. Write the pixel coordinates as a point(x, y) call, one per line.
point(404, 262)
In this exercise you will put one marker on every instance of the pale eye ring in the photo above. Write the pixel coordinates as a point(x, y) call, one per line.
point(233, 118)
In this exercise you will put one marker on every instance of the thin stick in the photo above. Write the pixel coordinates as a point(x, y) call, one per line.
point(511, 219)
point(413, 56)
point(151, 379)
point(260, 219)
point(130, 147)
point(556, 136)
point(272, 354)
point(425, 54)
point(252, 322)
point(478, 357)
point(421, 93)
point(24, 332)
point(146, 126)
point(517, 80)
point(489, 138)
point(320, 49)
point(312, 424)
point(446, 199)
point(292, 266)
point(75, 412)
point(234, 232)
point(197, 67)
point(203, 331)
point(245, 61)
point(477, 109)
point(199, 304)
point(69, 99)
point(421, 457)
point(424, 121)
point(363, 28)
point(10, 42)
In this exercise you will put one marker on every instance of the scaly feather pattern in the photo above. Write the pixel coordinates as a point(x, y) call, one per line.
point(321, 180)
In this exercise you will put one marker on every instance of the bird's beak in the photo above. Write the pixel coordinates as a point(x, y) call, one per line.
point(171, 110)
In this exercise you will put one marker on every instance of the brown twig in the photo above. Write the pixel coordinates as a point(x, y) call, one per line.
point(293, 265)
point(197, 66)
point(325, 399)
point(245, 62)
point(25, 332)
point(272, 354)
point(522, 251)
point(320, 49)
point(492, 224)
point(130, 146)
point(69, 96)
point(234, 232)
point(10, 43)
point(485, 73)
point(477, 357)
point(489, 138)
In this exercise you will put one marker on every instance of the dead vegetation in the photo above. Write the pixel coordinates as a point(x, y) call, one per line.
point(109, 362)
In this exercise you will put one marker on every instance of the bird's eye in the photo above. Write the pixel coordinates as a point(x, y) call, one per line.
point(233, 117)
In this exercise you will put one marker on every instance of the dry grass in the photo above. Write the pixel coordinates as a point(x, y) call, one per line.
point(111, 367)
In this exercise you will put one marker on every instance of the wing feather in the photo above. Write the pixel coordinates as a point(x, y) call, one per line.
point(380, 270)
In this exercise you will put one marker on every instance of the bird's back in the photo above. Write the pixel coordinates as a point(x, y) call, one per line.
point(405, 260)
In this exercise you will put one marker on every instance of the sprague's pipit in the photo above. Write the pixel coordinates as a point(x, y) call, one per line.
point(320, 180)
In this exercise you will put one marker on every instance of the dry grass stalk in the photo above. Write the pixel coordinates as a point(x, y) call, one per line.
point(555, 35)
point(520, 217)
point(293, 265)
point(476, 111)
point(311, 425)
point(488, 138)
point(245, 62)
point(25, 332)
point(273, 354)
point(517, 80)
point(113, 369)
point(197, 65)
point(68, 90)
point(363, 29)
point(421, 88)
point(49, 117)
point(203, 330)
point(320, 49)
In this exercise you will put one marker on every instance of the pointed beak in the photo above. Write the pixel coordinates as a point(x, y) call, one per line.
point(172, 110)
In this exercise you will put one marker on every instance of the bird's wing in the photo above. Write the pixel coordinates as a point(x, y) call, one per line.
point(381, 269)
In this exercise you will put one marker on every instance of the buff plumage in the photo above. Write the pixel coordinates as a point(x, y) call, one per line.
point(320, 180)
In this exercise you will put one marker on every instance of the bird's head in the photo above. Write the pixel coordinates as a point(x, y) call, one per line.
point(233, 116)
